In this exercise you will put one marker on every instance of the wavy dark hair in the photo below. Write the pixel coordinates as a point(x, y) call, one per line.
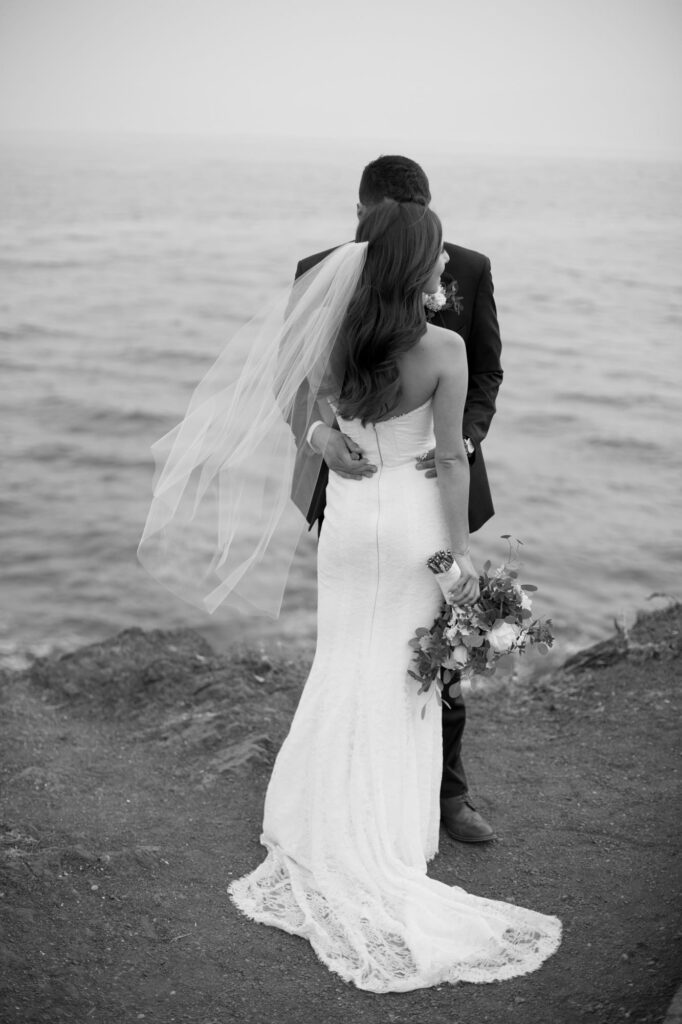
point(386, 315)
point(394, 177)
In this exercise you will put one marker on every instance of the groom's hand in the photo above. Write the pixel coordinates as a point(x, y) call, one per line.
point(427, 463)
point(341, 453)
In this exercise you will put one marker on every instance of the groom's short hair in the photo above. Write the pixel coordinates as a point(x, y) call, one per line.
point(394, 177)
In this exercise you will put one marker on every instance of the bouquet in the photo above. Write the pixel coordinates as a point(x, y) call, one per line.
point(467, 640)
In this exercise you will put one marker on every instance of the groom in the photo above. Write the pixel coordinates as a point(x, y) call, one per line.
point(470, 311)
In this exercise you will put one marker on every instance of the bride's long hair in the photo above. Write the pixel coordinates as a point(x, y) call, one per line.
point(386, 315)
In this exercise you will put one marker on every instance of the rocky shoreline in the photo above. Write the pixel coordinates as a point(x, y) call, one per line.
point(133, 773)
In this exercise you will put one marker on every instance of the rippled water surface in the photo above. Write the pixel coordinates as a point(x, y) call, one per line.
point(126, 264)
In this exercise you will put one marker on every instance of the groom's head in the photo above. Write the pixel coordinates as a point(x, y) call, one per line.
point(393, 177)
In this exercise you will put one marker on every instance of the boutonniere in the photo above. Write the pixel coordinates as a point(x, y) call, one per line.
point(445, 298)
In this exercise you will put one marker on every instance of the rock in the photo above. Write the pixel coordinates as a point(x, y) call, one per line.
point(124, 668)
point(79, 856)
point(654, 635)
point(607, 652)
point(254, 749)
point(147, 856)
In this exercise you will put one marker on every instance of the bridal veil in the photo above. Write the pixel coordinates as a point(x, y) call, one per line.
point(222, 525)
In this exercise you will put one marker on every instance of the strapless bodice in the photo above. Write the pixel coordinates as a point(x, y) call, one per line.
point(394, 441)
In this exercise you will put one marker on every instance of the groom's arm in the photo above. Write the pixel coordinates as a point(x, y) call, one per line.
point(484, 349)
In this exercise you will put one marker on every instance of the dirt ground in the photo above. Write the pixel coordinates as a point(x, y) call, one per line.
point(133, 775)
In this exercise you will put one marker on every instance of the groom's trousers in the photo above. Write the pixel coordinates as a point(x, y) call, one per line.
point(454, 783)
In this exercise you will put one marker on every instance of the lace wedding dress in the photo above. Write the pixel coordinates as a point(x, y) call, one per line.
point(352, 810)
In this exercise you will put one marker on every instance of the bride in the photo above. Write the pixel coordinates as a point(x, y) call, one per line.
point(352, 809)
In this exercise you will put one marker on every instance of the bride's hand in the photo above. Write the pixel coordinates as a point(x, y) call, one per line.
point(466, 590)
point(341, 453)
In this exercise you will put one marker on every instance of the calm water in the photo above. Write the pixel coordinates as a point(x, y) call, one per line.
point(125, 264)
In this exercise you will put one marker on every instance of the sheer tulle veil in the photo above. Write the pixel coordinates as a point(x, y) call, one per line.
point(222, 527)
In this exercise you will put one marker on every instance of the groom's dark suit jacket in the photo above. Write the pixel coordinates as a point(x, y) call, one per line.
point(476, 321)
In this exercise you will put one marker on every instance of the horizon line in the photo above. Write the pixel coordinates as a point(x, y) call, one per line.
point(466, 148)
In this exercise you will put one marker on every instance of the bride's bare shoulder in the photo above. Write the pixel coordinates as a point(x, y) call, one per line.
point(439, 342)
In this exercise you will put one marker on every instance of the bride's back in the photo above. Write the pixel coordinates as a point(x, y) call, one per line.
point(418, 373)
point(396, 440)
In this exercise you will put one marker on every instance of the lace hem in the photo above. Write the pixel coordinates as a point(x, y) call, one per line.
point(418, 934)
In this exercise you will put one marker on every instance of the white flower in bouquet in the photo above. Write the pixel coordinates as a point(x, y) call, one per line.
point(502, 637)
point(457, 658)
point(526, 602)
point(460, 656)
point(457, 629)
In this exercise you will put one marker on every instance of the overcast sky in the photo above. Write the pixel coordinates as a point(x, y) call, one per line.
point(515, 75)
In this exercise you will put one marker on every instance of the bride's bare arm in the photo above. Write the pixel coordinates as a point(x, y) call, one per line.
point(448, 354)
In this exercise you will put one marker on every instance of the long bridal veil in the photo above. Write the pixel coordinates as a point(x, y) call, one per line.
point(222, 525)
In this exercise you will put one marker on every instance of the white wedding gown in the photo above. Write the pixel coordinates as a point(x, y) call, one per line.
point(352, 809)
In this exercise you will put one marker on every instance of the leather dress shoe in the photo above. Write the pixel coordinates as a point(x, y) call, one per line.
point(462, 821)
